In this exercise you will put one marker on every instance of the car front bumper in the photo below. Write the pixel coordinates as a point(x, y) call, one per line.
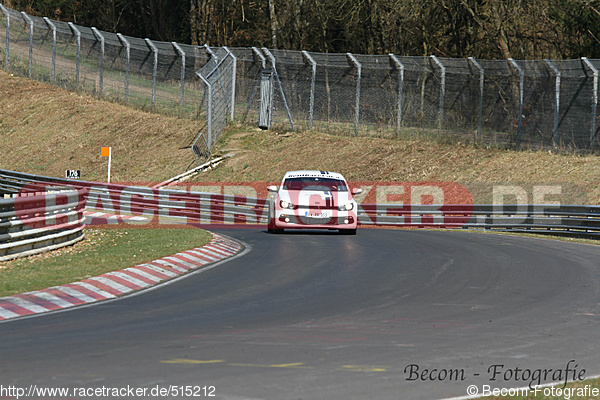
point(290, 220)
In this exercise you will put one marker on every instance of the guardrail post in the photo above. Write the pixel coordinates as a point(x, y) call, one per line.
point(558, 74)
point(233, 81)
point(594, 100)
point(30, 22)
point(313, 80)
point(77, 34)
point(125, 43)
point(354, 62)
point(53, 27)
point(154, 50)
point(5, 11)
point(521, 90)
point(442, 89)
point(100, 38)
point(400, 67)
point(480, 103)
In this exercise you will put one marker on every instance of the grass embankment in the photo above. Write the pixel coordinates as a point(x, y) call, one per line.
point(414, 157)
point(103, 250)
point(45, 130)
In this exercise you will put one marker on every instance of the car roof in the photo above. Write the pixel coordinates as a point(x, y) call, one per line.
point(313, 174)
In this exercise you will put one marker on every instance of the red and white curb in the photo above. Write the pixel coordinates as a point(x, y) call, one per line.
point(118, 283)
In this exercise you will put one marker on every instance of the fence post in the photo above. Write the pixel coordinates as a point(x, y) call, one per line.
point(30, 22)
point(480, 106)
point(263, 60)
point(210, 52)
point(313, 80)
point(400, 67)
point(521, 89)
point(263, 64)
point(154, 50)
point(354, 62)
point(181, 53)
point(5, 11)
point(558, 74)
point(442, 89)
point(233, 81)
point(100, 37)
point(209, 110)
point(53, 27)
point(125, 43)
point(78, 41)
point(594, 100)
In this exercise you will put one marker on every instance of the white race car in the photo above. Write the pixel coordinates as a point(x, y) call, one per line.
point(313, 200)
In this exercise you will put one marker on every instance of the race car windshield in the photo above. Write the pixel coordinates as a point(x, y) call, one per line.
point(315, 183)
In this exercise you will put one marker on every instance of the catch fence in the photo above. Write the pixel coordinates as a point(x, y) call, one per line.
point(517, 103)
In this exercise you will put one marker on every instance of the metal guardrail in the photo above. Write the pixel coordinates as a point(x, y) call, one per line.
point(152, 203)
point(576, 220)
point(33, 224)
point(208, 208)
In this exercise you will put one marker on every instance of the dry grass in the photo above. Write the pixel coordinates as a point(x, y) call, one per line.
point(267, 155)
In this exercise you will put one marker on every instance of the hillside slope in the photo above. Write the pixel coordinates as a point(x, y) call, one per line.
point(266, 155)
point(45, 130)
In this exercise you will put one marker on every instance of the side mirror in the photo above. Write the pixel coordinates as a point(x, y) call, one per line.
point(356, 191)
point(273, 188)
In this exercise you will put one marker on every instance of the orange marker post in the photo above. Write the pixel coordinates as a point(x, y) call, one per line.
point(107, 152)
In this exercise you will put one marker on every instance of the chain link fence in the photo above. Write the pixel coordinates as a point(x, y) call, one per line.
point(514, 103)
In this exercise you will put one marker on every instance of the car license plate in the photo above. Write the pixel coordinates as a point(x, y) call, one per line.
point(323, 214)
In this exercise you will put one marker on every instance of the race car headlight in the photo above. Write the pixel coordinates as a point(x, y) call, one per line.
point(286, 204)
point(346, 207)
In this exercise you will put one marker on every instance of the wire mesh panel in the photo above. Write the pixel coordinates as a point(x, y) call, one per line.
point(531, 104)
point(293, 79)
point(218, 76)
point(462, 98)
point(538, 104)
point(4, 36)
point(378, 95)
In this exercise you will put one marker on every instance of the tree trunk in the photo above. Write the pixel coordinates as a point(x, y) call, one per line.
point(274, 25)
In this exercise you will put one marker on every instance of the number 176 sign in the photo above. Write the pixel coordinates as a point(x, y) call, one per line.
point(73, 174)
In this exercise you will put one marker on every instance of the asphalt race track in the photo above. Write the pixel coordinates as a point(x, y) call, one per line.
point(407, 314)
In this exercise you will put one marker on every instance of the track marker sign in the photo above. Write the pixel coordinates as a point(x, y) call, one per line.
point(73, 174)
point(107, 152)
